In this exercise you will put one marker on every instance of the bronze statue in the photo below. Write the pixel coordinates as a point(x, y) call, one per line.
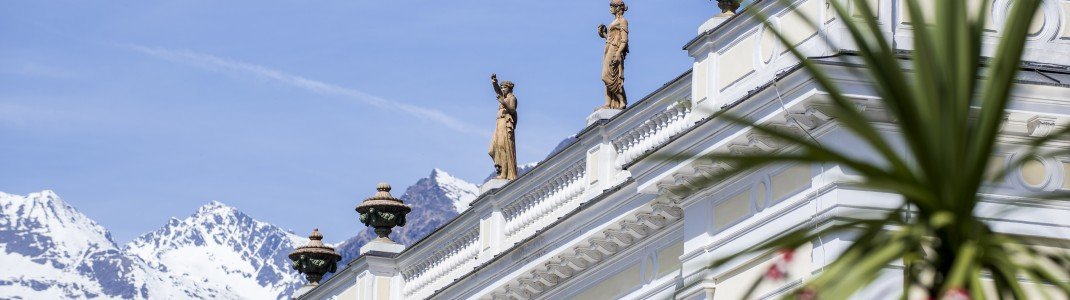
point(503, 143)
point(616, 36)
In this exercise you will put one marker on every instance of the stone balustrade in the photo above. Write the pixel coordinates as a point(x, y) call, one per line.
point(538, 208)
point(454, 260)
point(659, 129)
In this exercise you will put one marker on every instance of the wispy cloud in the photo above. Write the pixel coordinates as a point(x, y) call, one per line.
point(234, 67)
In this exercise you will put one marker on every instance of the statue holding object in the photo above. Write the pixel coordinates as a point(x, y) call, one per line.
point(616, 36)
point(503, 142)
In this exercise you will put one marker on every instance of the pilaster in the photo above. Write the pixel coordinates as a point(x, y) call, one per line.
point(378, 276)
point(491, 232)
point(601, 163)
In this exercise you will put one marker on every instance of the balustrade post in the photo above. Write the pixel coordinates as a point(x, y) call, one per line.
point(378, 276)
point(491, 232)
point(601, 165)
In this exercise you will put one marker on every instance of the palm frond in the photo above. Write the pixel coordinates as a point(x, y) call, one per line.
point(949, 102)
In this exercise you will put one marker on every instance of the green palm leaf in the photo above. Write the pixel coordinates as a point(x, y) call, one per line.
point(948, 118)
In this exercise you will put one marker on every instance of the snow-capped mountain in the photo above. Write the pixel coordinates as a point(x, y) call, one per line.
point(460, 192)
point(223, 249)
point(435, 200)
point(45, 242)
point(50, 250)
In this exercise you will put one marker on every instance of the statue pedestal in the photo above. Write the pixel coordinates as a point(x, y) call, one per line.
point(602, 114)
point(376, 269)
point(382, 245)
point(492, 185)
point(714, 22)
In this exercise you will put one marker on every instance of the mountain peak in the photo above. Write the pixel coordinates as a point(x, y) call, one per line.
point(46, 212)
point(461, 192)
point(436, 171)
point(215, 207)
point(45, 193)
point(435, 200)
point(437, 174)
point(216, 252)
point(44, 197)
point(48, 238)
point(237, 252)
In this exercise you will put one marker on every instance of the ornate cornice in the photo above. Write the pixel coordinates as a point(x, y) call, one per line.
point(585, 254)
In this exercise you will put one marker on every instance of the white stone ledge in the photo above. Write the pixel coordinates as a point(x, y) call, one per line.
point(840, 201)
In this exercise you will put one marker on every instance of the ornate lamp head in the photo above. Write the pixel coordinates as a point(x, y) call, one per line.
point(315, 259)
point(728, 7)
point(382, 211)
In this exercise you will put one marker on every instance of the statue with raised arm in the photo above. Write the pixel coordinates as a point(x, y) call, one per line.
point(503, 142)
point(616, 35)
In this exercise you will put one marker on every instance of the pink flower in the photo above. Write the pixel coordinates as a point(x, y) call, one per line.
point(779, 269)
point(775, 273)
point(787, 254)
point(956, 294)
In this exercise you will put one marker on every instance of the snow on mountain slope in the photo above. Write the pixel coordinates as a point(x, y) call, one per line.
point(223, 249)
point(46, 244)
point(49, 250)
point(43, 226)
point(459, 191)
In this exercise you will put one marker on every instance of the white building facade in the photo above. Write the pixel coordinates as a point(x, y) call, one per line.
point(626, 211)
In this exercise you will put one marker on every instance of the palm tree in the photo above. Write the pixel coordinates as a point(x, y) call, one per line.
point(949, 118)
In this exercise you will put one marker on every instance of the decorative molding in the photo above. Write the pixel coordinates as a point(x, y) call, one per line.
point(783, 289)
point(588, 253)
point(1039, 126)
point(811, 117)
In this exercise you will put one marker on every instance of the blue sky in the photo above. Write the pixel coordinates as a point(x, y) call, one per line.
point(137, 111)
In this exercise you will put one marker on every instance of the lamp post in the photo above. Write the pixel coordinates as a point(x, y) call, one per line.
point(314, 260)
point(382, 212)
